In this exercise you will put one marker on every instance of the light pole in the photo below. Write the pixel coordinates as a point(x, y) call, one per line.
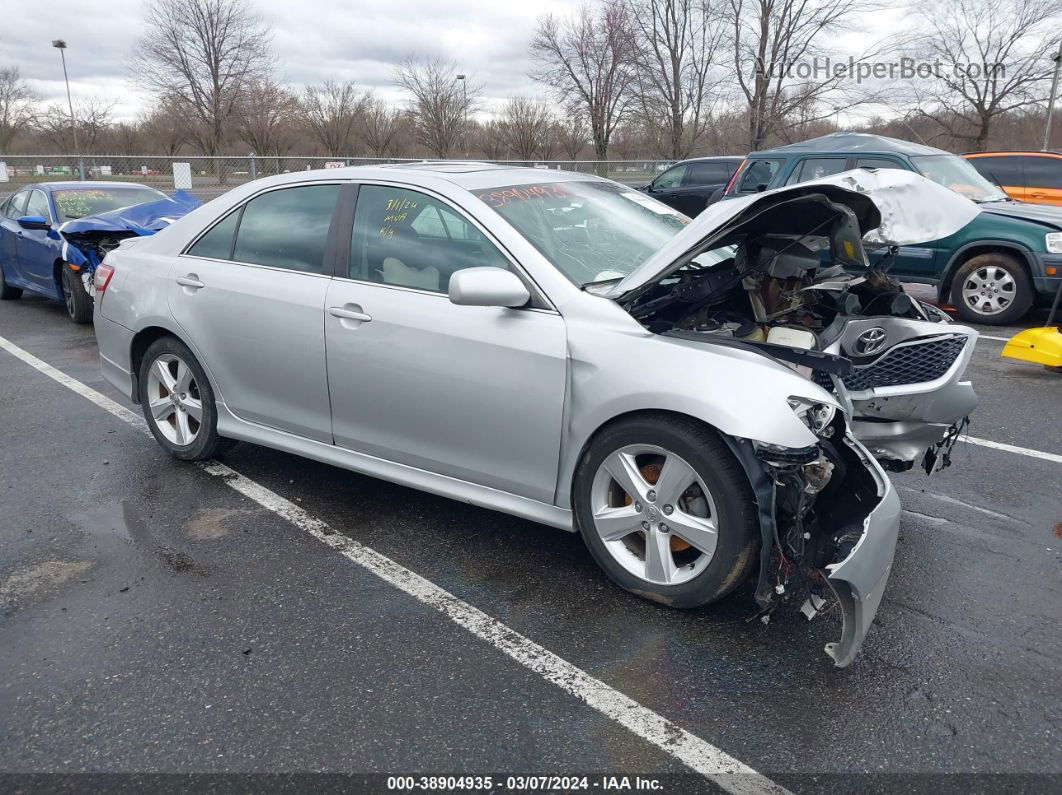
point(60, 45)
point(1051, 101)
point(464, 111)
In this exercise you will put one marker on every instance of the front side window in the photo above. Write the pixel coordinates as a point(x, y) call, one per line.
point(671, 178)
point(758, 175)
point(405, 238)
point(957, 173)
point(589, 231)
point(81, 202)
point(287, 228)
point(38, 206)
point(878, 162)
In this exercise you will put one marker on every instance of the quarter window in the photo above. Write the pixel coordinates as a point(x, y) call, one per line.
point(408, 239)
point(287, 228)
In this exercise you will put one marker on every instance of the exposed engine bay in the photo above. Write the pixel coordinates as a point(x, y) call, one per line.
point(782, 281)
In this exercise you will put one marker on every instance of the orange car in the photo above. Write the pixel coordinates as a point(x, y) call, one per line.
point(1027, 176)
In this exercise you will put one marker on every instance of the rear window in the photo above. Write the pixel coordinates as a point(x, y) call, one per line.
point(80, 202)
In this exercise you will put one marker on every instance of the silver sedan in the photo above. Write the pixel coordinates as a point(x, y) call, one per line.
point(457, 328)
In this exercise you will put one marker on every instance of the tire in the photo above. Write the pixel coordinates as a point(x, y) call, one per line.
point(702, 573)
point(78, 301)
point(174, 424)
point(993, 289)
point(8, 293)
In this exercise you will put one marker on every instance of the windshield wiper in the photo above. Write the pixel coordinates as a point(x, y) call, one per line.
point(602, 281)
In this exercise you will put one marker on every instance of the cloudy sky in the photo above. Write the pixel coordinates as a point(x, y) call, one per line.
point(314, 40)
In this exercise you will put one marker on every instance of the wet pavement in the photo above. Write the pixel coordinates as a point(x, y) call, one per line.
point(152, 619)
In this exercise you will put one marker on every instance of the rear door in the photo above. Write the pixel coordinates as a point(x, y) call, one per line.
point(250, 293)
point(475, 393)
point(703, 178)
point(9, 229)
point(1043, 179)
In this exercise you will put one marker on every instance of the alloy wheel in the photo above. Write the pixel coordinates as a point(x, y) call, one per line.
point(174, 400)
point(989, 290)
point(654, 514)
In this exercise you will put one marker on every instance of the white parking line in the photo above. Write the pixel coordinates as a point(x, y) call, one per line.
point(699, 755)
point(1010, 448)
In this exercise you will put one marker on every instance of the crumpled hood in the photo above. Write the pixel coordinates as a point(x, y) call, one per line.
point(1050, 217)
point(893, 207)
point(144, 219)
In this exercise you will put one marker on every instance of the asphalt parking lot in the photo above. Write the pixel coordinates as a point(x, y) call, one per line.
point(157, 616)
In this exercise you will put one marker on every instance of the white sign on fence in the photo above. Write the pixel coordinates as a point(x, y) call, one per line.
point(3, 172)
point(182, 176)
point(335, 164)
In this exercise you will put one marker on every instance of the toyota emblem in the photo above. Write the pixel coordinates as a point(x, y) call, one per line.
point(870, 341)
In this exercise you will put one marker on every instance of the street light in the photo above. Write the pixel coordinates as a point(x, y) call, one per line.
point(60, 45)
point(464, 110)
point(1051, 101)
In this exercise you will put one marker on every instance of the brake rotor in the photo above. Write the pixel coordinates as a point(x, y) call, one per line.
point(651, 473)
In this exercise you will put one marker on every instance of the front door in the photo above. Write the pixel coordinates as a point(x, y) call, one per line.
point(38, 249)
point(475, 393)
point(250, 296)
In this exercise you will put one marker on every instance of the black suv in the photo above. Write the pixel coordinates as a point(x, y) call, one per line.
point(693, 184)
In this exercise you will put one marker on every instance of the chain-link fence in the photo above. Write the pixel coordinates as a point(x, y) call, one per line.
point(207, 177)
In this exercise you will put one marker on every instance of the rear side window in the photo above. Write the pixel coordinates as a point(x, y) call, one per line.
point(1043, 172)
point(758, 175)
point(16, 204)
point(1001, 170)
point(287, 228)
point(217, 243)
point(816, 168)
point(709, 174)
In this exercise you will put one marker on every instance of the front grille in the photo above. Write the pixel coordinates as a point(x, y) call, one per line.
point(915, 363)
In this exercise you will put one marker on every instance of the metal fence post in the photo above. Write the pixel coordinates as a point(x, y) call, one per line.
point(254, 166)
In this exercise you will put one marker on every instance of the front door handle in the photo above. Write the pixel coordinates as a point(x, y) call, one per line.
point(349, 312)
point(190, 281)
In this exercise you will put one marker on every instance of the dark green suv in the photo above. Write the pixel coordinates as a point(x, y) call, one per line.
point(992, 270)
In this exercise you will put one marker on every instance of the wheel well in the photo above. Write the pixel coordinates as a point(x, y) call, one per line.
point(944, 291)
point(141, 342)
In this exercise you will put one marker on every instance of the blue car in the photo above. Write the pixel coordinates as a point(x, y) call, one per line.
point(53, 235)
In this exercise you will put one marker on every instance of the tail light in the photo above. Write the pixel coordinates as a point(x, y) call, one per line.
point(104, 272)
point(733, 179)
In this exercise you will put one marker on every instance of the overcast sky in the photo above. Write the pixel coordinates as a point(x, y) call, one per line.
point(314, 40)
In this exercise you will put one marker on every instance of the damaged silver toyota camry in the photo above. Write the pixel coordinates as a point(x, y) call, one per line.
point(706, 402)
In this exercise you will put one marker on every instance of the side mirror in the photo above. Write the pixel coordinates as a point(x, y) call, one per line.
point(34, 222)
point(487, 286)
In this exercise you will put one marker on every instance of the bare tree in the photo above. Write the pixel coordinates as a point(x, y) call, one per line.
point(677, 42)
point(990, 59)
point(381, 126)
point(92, 117)
point(441, 103)
point(165, 127)
point(331, 111)
point(16, 105)
point(488, 139)
point(202, 55)
point(588, 60)
point(265, 116)
point(573, 133)
point(526, 127)
point(773, 44)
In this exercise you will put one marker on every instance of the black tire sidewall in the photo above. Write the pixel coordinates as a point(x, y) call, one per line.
point(207, 442)
point(725, 478)
point(1023, 290)
point(82, 312)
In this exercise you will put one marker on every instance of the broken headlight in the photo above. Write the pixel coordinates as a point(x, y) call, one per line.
point(816, 416)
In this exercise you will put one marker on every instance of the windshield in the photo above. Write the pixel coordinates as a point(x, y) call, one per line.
point(590, 231)
point(80, 202)
point(956, 173)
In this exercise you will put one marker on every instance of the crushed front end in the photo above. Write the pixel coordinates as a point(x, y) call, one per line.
point(829, 519)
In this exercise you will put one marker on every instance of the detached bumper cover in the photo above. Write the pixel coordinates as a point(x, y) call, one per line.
point(859, 580)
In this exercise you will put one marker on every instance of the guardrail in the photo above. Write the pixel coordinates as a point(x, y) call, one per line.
point(209, 176)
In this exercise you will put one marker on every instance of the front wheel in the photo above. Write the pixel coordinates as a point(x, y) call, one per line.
point(667, 510)
point(78, 301)
point(178, 402)
point(993, 289)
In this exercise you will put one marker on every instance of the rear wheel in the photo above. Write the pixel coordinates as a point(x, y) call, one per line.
point(666, 510)
point(7, 292)
point(178, 402)
point(993, 289)
point(78, 301)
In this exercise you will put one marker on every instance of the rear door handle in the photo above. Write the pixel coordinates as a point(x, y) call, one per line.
point(343, 313)
point(191, 280)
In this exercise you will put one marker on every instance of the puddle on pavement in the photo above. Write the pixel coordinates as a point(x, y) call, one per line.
point(212, 523)
point(113, 520)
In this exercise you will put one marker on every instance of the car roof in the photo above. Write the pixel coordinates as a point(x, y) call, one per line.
point(843, 142)
point(89, 185)
point(713, 158)
point(1012, 153)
